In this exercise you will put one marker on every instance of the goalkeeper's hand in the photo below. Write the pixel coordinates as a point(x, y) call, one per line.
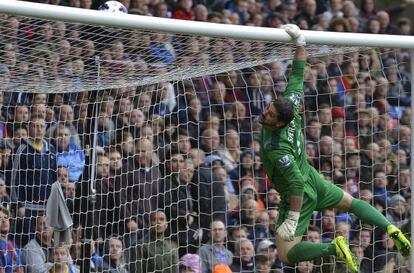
point(287, 229)
point(295, 33)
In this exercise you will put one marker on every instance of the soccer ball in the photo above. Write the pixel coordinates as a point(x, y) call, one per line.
point(113, 7)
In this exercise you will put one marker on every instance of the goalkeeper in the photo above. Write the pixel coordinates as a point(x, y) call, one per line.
point(302, 189)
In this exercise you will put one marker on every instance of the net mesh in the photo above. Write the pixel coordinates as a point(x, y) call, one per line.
point(154, 141)
point(78, 58)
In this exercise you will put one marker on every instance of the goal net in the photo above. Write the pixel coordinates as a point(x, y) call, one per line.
point(153, 140)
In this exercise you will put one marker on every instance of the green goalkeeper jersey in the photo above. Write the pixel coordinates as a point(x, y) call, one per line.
point(283, 151)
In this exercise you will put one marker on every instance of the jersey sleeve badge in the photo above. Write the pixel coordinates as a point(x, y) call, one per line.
point(295, 99)
point(285, 161)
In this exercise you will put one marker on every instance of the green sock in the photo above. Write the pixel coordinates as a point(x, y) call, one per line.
point(307, 251)
point(368, 214)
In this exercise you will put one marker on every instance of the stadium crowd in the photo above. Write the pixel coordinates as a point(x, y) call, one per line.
point(166, 177)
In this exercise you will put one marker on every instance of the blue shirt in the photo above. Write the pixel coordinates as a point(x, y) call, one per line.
point(73, 159)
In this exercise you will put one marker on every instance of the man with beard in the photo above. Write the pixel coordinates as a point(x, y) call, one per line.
point(301, 187)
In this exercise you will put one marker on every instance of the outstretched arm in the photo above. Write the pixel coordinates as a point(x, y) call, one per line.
point(294, 89)
point(300, 54)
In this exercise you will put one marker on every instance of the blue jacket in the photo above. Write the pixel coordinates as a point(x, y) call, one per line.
point(33, 173)
point(161, 52)
point(73, 159)
point(10, 260)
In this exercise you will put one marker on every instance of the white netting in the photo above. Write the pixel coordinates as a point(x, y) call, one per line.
point(72, 58)
point(127, 133)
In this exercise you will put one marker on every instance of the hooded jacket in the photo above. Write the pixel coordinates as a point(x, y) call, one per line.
point(33, 173)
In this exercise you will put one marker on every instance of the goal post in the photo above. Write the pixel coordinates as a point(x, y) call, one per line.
point(200, 28)
point(206, 84)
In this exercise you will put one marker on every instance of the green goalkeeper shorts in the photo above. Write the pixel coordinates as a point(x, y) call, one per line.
point(318, 194)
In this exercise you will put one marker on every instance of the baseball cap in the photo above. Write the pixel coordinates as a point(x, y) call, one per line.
point(396, 198)
point(264, 244)
point(212, 158)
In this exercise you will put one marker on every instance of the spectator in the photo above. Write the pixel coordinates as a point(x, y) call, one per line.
point(231, 153)
point(268, 249)
point(305, 267)
point(308, 12)
point(115, 165)
point(106, 128)
point(136, 119)
point(365, 241)
point(236, 233)
point(192, 117)
point(217, 98)
point(183, 142)
point(403, 141)
point(139, 183)
point(4, 196)
point(35, 253)
point(161, 10)
point(367, 9)
point(404, 26)
point(21, 113)
point(262, 264)
point(380, 186)
point(313, 130)
point(108, 199)
point(397, 212)
point(176, 200)
point(155, 252)
point(125, 140)
point(208, 197)
point(324, 115)
point(11, 257)
point(19, 133)
point(66, 116)
point(245, 167)
point(114, 259)
point(349, 9)
point(364, 263)
point(254, 93)
point(34, 171)
point(161, 49)
point(237, 117)
point(200, 13)
point(184, 10)
point(249, 190)
point(385, 252)
point(61, 262)
point(69, 154)
point(272, 199)
point(334, 10)
point(403, 182)
point(343, 228)
point(369, 158)
point(248, 217)
point(210, 141)
point(230, 193)
point(328, 225)
point(385, 25)
point(243, 260)
point(215, 252)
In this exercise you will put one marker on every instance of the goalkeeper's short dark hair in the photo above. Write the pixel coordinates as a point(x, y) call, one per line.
point(285, 109)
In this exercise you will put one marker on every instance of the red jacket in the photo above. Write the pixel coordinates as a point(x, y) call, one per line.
point(183, 15)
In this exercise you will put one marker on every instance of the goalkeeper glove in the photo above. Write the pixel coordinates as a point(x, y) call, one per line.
point(295, 33)
point(287, 229)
